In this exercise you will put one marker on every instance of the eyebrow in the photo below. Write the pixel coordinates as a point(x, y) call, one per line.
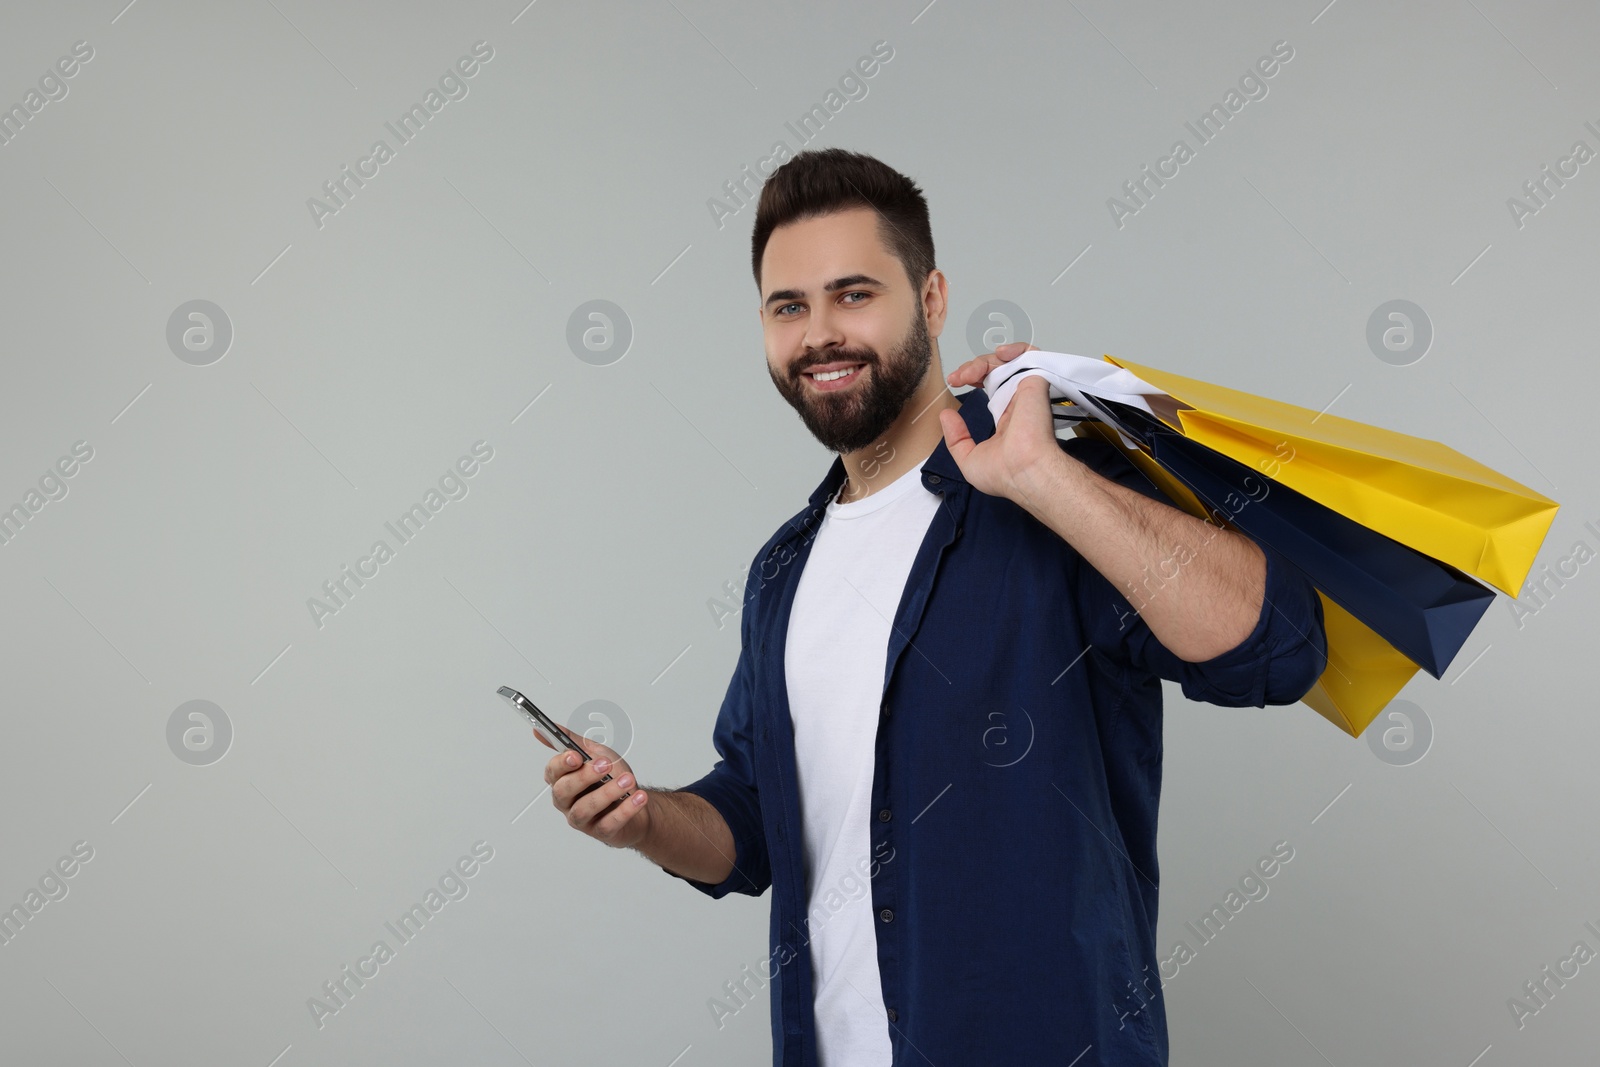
point(848, 281)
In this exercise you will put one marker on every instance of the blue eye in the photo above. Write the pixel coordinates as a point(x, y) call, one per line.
point(854, 292)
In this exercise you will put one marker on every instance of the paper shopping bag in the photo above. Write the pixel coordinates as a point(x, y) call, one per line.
point(1424, 608)
point(1416, 493)
point(1421, 493)
point(1364, 672)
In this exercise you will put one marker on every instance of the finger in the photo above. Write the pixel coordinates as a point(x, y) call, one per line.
point(558, 765)
point(599, 802)
point(565, 735)
point(1011, 350)
point(574, 784)
point(957, 438)
point(1024, 397)
point(552, 740)
point(611, 824)
point(589, 808)
point(973, 370)
point(594, 748)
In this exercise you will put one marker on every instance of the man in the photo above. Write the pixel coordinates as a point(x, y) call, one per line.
point(941, 747)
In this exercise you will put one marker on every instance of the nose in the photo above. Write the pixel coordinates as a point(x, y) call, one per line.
point(822, 328)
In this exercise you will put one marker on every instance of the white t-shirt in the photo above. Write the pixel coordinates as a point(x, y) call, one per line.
point(835, 656)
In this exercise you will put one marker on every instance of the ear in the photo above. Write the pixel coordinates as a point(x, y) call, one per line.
point(935, 302)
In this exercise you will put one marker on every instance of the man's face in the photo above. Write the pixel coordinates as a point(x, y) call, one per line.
point(834, 298)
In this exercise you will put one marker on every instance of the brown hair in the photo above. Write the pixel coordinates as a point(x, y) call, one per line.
point(827, 180)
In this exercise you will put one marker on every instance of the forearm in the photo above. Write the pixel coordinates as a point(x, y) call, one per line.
point(1198, 587)
point(688, 837)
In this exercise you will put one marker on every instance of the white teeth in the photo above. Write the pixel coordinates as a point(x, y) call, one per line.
point(833, 375)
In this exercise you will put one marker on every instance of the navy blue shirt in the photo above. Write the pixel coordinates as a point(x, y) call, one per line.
point(1016, 780)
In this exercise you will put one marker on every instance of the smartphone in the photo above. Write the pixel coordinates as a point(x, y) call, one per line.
point(547, 729)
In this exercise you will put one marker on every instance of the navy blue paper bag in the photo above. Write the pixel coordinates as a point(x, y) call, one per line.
point(1423, 607)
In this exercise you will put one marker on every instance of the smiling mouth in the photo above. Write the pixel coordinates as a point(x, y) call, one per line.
point(834, 379)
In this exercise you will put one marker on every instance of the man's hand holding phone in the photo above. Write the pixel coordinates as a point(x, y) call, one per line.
point(595, 789)
point(595, 807)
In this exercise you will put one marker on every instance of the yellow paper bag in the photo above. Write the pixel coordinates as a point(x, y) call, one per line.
point(1421, 493)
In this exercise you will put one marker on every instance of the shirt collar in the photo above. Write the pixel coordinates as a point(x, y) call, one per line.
point(940, 465)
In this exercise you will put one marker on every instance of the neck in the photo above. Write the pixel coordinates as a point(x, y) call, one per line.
point(909, 440)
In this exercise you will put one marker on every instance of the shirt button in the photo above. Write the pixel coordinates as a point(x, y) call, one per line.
point(883, 816)
point(933, 479)
point(886, 915)
point(893, 1015)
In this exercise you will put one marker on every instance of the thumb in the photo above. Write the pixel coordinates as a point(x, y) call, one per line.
point(596, 749)
point(957, 438)
point(593, 748)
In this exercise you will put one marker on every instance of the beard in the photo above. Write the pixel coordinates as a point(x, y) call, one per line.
point(853, 418)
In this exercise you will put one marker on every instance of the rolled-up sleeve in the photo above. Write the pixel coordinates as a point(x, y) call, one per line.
point(730, 786)
point(1276, 663)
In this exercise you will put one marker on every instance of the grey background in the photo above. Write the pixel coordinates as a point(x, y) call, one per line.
point(367, 755)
